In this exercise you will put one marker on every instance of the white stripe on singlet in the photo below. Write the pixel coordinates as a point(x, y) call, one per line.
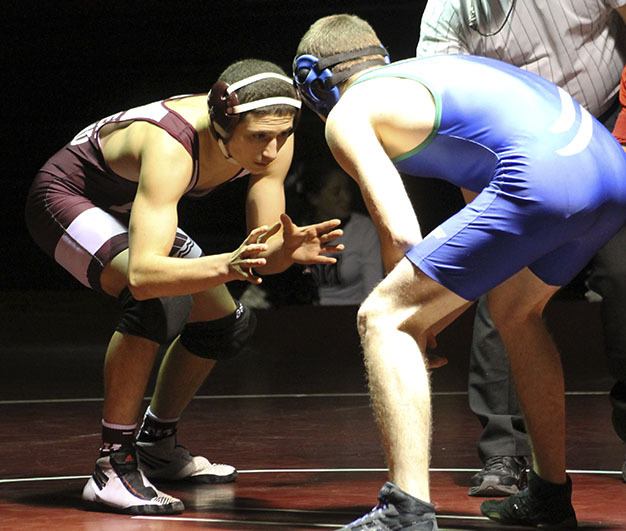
point(579, 45)
point(91, 230)
point(82, 239)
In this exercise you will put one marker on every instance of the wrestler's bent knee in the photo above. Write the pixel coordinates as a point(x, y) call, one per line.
point(159, 320)
point(367, 314)
point(222, 338)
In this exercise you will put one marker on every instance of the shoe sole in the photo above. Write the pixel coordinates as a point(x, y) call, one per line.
point(569, 523)
point(137, 510)
point(206, 479)
point(213, 480)
point(492, 489)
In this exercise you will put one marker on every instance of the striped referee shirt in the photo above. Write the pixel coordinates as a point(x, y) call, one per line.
point(579, 45)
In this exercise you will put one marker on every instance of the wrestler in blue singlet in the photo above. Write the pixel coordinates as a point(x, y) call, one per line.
point(552, 179)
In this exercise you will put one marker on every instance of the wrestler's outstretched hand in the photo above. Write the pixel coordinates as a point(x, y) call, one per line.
point(310, 244)
point(245, 258)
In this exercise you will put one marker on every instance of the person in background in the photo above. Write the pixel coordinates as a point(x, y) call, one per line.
point(319, 189)
point(329, 193)
point(618, 393)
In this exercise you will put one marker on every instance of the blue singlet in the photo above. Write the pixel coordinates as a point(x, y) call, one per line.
point(551, 179)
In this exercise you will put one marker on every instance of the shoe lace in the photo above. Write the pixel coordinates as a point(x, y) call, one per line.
point(191, 456)
point(520, 505)
point(377, 512)
point(502, 463)
point(164, 499)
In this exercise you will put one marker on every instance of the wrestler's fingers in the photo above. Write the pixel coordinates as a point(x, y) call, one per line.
point(327, 226)
point(337, 233)
point(329, 249)
point(262, 238)
point(434, 362)
point(255, 234)
point(321, 259)
point(254, 248)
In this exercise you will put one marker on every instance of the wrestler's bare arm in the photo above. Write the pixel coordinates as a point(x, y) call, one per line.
point(265, 205)
point(363, 142)
point(265, 201)
point(165, 169)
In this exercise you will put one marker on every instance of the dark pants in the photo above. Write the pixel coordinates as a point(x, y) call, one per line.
point(491, 391)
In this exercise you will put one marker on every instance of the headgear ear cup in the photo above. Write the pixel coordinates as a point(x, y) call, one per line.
point(318, 85)
point(311, 81)
point(219, 103)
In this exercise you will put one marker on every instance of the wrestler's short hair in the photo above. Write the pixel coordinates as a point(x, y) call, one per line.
point(337, 34)
point(262, 89)
point(250, 86)
point(330, 52)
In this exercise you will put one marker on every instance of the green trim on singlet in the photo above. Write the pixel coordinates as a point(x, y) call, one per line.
point(381, 73)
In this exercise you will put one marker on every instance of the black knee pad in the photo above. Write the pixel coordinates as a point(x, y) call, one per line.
point(220, 339)
point(159, 320)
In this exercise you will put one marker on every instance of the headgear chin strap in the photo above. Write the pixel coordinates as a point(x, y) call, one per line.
point(224, 106)
point(318, 85)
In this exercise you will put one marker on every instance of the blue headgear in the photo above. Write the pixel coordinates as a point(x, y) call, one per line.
point(318, 85)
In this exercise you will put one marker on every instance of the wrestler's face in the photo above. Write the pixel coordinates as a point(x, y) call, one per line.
point(258, 139)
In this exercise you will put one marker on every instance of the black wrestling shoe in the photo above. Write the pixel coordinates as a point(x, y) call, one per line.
point(502, 475)
point(541, 504)
point(396, 510)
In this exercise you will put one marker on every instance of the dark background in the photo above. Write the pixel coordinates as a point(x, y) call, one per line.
point(66, 64)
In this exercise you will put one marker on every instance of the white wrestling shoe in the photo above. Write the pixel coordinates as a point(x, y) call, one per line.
point(118, 485)
point(167, 461)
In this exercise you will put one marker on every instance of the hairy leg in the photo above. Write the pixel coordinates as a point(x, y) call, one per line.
point(127, 368)
point(129, 359)
point(516, 308)
point(394, 324)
